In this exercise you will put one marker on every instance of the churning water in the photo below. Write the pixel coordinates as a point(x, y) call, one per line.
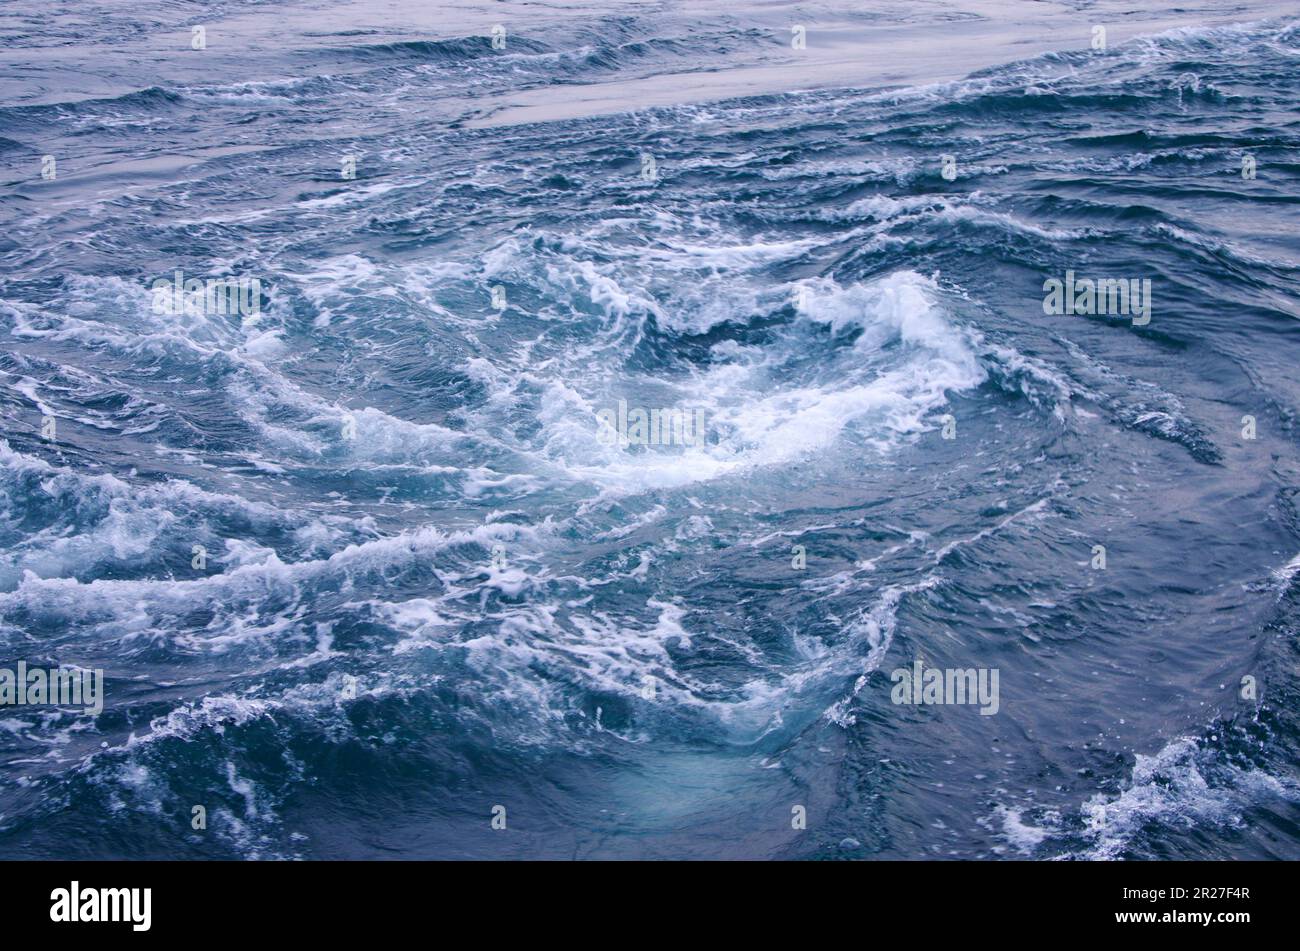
point(380, 540)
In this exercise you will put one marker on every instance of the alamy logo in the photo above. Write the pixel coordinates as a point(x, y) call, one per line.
point(951, 685)
point(654, 427)
point(103, 904)
point(59, 686)
point(196, 296)
point(1113, 297)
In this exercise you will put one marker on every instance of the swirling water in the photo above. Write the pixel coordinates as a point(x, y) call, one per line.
point(431, 586)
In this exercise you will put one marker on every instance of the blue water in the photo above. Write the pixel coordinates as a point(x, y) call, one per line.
point(432, 588)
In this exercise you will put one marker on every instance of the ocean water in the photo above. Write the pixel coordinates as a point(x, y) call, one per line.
point(365, 573)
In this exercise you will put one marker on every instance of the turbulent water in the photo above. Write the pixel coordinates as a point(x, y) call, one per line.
point(364, 571)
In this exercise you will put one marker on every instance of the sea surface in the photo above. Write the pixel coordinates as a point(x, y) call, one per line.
point(365, 574)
